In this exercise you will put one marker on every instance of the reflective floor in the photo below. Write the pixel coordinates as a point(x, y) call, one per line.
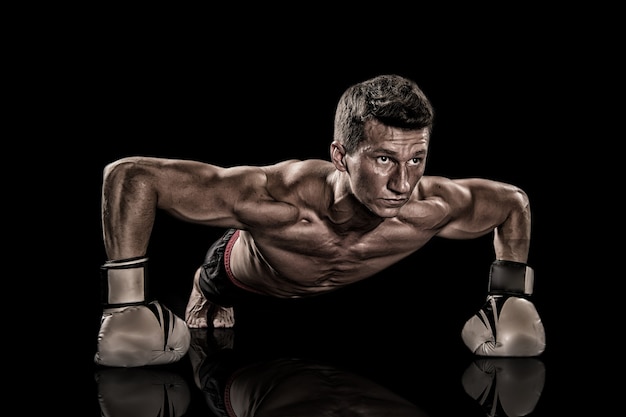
point(305, 366)
point(217, 380)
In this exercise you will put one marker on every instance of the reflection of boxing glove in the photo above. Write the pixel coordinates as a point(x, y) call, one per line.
point(133, 332)
point(124, 392)
point(505, 386)
point(508, 323)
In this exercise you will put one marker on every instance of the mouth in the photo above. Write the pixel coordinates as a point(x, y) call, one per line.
point(394, 202)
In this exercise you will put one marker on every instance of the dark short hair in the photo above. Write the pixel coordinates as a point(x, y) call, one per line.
point(391, 99)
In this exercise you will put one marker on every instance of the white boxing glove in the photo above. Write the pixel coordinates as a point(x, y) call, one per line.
point(508, 324)
point(133, 332)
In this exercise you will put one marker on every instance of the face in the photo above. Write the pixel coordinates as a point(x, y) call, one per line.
point(386, 167)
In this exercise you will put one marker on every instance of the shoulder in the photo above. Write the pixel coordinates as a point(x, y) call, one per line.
point(304, 180)
point(442, 188)
point(438, 200)
point(296, 172)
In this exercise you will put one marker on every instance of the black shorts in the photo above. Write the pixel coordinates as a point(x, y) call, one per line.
point(217, 282)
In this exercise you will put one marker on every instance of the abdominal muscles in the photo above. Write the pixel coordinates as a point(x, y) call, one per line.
point(314, 265)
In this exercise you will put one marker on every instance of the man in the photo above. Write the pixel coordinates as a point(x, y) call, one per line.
point(301, 228)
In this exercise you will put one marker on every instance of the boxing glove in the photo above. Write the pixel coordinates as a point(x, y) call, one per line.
point(149, 392)
point(134, 332)
point(508, 324)
point(505, 386)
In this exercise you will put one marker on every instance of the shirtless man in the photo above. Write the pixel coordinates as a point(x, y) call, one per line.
point(299, 228)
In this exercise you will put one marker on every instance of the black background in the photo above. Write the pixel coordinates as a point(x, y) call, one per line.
point(164, 99)
point(509, 113)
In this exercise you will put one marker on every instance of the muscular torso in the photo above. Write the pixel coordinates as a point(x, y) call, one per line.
point(309, 253)
point(321, 262)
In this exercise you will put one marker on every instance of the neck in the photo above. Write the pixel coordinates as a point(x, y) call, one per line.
point(347, 214)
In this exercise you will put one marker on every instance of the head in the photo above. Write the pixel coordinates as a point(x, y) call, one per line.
point(382, 131)
point(392, 100)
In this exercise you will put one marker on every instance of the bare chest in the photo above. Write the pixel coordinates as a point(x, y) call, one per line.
point(311, 257)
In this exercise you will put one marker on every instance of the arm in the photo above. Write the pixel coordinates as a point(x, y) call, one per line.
point(508, 324)
point(135, 331)
point(135, 188)
point(479, 206)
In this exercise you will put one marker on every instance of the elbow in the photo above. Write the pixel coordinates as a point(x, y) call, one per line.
point(113, 168)
point(521, 199)
point(125, 173)
point(519, 206)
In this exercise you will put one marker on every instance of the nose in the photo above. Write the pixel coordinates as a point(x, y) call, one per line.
point(399, 180)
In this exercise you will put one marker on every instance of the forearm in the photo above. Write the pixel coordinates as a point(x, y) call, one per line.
point(512, 237)
point(128, 210)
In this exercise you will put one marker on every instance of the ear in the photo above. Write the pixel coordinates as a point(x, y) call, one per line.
point(338, 155)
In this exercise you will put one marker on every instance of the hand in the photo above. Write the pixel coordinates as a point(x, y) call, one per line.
point(133, 332)
point(508, 324)
point(141, 335)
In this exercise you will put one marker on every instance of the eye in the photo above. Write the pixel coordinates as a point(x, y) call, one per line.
point(383, 159)
point(415, 161)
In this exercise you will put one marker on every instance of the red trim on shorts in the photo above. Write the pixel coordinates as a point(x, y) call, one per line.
point(227, 402)
point(229, 272)
point(229, 383)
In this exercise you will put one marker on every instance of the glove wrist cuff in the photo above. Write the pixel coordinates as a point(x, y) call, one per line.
point(509, 277)
point(123, 282)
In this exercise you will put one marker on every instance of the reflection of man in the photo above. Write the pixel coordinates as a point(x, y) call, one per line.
point(301, 228)
point(286, 386)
